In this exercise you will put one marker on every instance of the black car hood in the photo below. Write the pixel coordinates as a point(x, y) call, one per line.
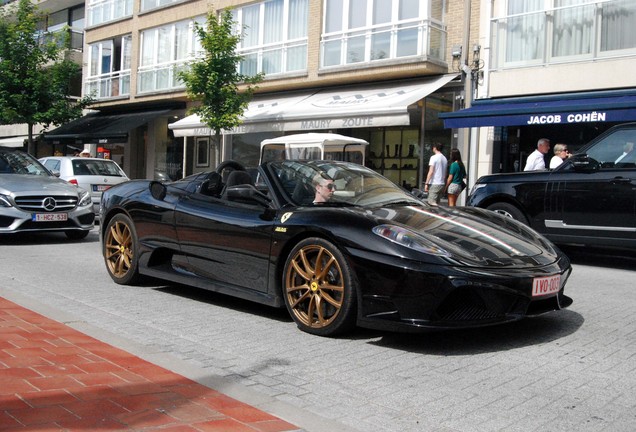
point(471, 236)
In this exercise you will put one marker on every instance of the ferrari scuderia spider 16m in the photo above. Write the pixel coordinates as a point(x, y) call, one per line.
point(373, 255)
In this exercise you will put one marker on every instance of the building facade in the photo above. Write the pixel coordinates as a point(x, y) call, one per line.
point(381, 70)
point(559, 69)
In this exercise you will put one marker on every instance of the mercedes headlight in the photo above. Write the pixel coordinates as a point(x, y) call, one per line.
point(409, 239)
point(5, 201)
point(84, 198)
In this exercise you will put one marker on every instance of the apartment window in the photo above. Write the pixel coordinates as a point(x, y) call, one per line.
point(363, 31)
point(550, 31)
point(153, 4)
point(103, 11)
point(164, 52)
point(67, 20)
point(109, 68)
point(275, 36)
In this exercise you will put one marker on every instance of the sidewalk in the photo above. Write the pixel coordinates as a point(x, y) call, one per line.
point(53, 377)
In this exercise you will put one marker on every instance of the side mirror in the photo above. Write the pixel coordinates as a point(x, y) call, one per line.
point(158, 190)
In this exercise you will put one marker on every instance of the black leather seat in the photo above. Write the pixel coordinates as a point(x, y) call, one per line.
point(213, 185)
point(236, 178)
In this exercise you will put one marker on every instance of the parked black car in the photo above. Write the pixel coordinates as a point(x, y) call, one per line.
point(590, 199)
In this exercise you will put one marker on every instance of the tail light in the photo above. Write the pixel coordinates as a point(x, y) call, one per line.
point(73, 181)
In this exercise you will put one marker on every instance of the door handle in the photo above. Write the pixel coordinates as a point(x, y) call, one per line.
point(620, 180)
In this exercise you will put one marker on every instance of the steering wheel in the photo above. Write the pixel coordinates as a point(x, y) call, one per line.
point(229, 164)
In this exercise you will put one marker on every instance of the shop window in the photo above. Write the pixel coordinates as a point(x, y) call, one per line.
point(202, 152)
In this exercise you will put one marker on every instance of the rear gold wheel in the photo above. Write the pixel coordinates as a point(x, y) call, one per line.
point(120, 250)
point(319, 288)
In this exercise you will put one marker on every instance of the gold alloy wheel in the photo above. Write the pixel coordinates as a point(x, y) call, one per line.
point(314, 286)
point(119, 252)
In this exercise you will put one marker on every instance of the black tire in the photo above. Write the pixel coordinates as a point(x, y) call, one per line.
point(320, 288)
point(76, 234)
point(121, 250)
point(509, 210)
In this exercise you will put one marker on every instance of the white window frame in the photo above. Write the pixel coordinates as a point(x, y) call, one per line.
point(424, 24)
point(500, 36)
point(285, 45)
point(103, 11)
point(151, 76)
point(102, 84)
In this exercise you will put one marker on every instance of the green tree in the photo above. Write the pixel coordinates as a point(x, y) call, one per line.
point(214, 79)
point(35, 78)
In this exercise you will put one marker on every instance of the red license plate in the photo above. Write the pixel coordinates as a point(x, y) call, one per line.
point(542, 286)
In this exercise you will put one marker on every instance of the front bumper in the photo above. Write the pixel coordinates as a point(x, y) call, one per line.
point(403, 295)
point(14, 220)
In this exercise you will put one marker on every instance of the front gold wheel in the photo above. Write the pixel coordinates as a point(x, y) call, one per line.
point(120, 250)
point(318, 288)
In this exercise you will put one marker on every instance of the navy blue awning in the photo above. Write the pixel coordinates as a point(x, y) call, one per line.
point(566, 108)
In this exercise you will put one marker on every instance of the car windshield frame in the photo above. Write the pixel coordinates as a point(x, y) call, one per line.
point(355, 185)
point(17, 162)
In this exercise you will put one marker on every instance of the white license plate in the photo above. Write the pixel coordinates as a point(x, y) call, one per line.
point(100, 188)
point(546, 285)
point(49, 217)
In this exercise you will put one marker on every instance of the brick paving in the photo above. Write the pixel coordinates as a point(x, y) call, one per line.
point(53, 377)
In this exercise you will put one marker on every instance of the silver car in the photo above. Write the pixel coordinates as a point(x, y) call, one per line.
point(32, 199)
point(92, 174)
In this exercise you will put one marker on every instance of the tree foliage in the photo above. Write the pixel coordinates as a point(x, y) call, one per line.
point(215, 79)
point(35, 79)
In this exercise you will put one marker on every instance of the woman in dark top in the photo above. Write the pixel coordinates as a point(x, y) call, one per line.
point(456, 174)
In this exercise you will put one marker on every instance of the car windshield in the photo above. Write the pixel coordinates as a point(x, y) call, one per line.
point(96, 167)
point(15, 162)
point(353, 184)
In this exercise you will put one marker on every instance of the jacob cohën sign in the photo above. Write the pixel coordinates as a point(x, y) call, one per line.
point(593, 116)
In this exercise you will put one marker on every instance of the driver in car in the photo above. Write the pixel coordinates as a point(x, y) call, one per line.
point(324, 186)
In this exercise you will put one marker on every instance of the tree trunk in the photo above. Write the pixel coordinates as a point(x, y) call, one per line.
point(31, 144)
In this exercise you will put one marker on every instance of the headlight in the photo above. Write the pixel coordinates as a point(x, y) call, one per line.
point(409, 239)
point(84, 198)
point(476, 187)
point(5, 201)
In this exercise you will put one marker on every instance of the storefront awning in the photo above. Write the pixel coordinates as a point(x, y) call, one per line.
point(13, 141)
point(103, 127)
point(567, 108)
point(350, 107)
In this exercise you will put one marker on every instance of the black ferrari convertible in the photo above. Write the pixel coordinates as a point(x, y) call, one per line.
point(371, 255)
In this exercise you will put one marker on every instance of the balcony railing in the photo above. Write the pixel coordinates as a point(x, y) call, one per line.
point(110, 85)
point(276, 58)
point(582, 32)
point(397, 41)
point(160, 77)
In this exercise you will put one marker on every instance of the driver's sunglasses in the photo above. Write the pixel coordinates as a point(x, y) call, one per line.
point(329, 186)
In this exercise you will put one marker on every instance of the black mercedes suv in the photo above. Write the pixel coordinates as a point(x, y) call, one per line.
point(590, 199)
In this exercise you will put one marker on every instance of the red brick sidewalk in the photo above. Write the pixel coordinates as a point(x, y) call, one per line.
point(55, 378)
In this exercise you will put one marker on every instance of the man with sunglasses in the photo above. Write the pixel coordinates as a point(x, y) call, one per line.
point(324, 188)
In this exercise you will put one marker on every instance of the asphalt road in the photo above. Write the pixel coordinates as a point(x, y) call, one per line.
point(570, 370)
